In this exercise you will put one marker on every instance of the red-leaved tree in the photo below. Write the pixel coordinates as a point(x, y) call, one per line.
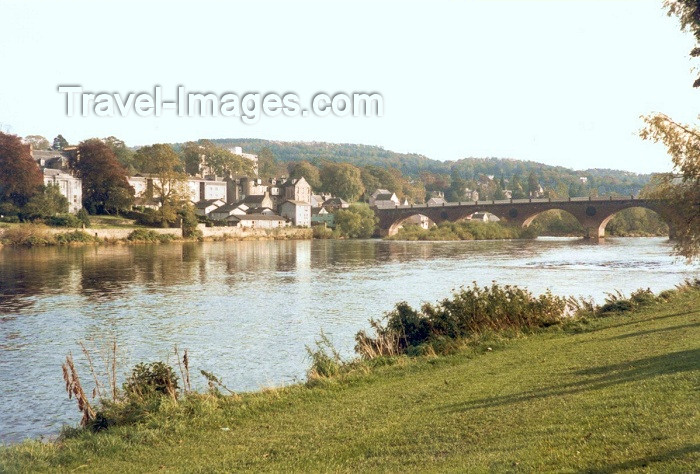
point(20, 176)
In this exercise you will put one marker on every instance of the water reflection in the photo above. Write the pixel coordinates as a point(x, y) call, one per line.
point(247, 309)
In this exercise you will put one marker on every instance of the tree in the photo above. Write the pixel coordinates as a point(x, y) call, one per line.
point(20, 176)
point(307, 171)
point(37, 142)
point(59, 143)
point(224, 162)
point(683, 144)
point(533, 186)
point(221, 161)
point(342, 179)
point(46, 203)
point(688, 11)
point(356, 222)
point(267, 164)
point(458, 185)
point(169, 182)
point(105, 187)
point(123, 153)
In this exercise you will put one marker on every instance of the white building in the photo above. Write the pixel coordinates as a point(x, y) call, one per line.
point(297, 211)
point(70, 187)
point(257, 221)
point(236, 150)
point(384, 198)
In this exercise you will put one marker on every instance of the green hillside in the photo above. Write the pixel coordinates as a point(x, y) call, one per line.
point(410, 164)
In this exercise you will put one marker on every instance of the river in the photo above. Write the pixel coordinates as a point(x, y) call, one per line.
point(246, 310)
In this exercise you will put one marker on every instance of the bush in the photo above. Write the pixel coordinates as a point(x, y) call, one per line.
point(322, 232)
point(83, 217)
point(77, 236)
point(463, 230)
point(470, 311)
point(356, 222)
point(150, 236)
point(325, 359)
point(63, 220)
point(29, 235)
point(153, 379)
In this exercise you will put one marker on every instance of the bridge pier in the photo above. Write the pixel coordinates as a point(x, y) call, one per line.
point(594, 234)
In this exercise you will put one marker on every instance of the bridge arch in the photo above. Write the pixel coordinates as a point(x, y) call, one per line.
point(656, 212)
point(566, 217)
point(419, 219)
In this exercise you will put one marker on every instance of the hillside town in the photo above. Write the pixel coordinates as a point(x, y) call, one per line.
point(241, 201)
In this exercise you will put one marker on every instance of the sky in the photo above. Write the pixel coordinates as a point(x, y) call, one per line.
point(558, 82)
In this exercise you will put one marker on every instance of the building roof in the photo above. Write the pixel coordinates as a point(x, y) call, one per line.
point(384, 197)
point(255, 199)
point(335, 201)
point(207, 202)
point(296, 203)
point(257, 217)
point(230, 207)
point(380, 191)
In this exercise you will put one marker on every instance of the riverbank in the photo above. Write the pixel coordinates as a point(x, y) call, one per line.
point(604, 394)
point(31, 235)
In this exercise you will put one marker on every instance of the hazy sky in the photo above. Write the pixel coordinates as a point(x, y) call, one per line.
point(557, 82)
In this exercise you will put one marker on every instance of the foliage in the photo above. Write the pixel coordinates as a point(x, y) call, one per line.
point(356, 222)
point(169, 183)
point(462, 230)
point(77, 236)
point(220, 160)
point(147, 380)
point(471, 310)
point(29, 235)
point(63, 220)
point(617, 303)
point(124, 154)
point(688, 11)
point(47, 203)
point(149, 236)
point(322, 232)
point(325, 359)
point(105, 187)
point(267, 163)
point(20, 177)
point(59, 143)
point(342, 179)
point(309, 172)
point(683, 144)
point(83, 217)
point(37, 142)
point(189, 222)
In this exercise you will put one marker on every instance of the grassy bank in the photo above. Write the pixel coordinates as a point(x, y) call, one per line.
point(39, 235)
point(463, 230)
point(605, 394)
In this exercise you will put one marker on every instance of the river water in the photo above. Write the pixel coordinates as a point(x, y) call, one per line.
point(246, 310)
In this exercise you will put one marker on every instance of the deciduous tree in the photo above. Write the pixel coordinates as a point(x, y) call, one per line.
point(356, 222)
point(683, 144)
point(169, 181)
point(308, 171)
point(37, 142)
point(59, 143)
point(342, 179)
point(105, 187)
point(20, 177)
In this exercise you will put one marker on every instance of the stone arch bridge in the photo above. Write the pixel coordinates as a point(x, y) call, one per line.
point(593, 213)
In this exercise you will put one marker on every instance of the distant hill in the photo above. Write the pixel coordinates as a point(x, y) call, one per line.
point(412, 164)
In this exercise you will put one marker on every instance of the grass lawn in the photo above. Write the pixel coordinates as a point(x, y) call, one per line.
point(108, 222)
point(617, 394)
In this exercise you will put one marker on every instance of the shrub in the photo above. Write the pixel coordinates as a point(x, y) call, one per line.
point(470, 311)
point(322, 232)
point(63, 220)
point(29, 235)
point(83, 217)
point(325, 359)
point(153, 379)
point(147, 235)
point(77, 236)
